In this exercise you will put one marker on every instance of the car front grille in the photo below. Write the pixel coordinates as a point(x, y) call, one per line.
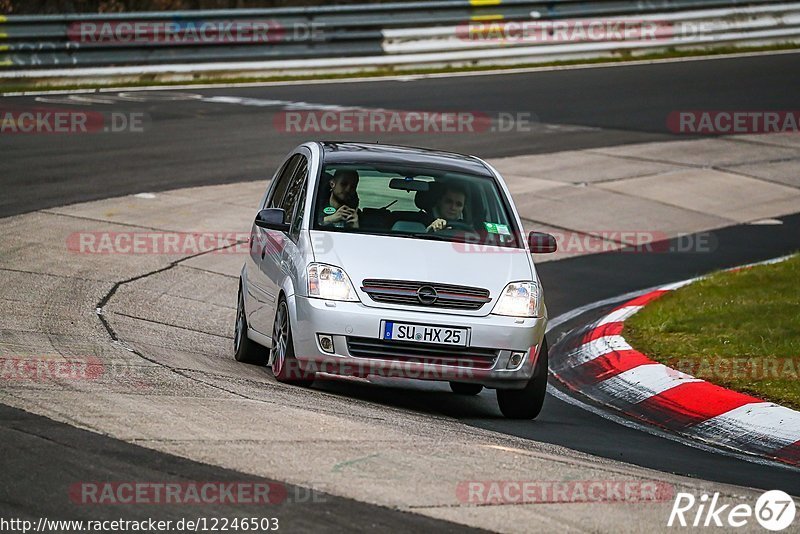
point(407, 292)
point(379, 349)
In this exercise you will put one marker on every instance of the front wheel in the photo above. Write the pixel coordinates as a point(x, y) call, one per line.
point(285, 366)
point(244, 349)
point(526, 403)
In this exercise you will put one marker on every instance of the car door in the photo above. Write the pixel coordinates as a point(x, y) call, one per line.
point(263, 262)
point(293, 253)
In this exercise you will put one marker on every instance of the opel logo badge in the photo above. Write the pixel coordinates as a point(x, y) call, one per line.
point(427, 295)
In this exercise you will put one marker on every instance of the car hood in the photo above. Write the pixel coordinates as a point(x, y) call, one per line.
point(365, 256)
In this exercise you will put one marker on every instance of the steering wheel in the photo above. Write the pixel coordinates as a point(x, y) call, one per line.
point(459, 225)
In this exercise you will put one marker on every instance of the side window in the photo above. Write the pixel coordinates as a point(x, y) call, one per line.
point(295, 186)
point(297, 220)
point(282, 182)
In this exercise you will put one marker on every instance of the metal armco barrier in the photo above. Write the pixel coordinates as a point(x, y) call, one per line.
point(378, 35)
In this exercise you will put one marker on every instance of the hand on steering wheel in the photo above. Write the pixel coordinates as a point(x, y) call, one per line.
point(441, 224)
point(459, 225)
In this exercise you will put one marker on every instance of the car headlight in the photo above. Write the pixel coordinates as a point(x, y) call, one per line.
point(329, 282)
point(519, 299)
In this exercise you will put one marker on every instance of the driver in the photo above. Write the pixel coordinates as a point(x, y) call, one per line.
point(449, 207)
point(341, 208)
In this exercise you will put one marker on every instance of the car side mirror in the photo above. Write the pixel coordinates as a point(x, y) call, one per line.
point(542, 243)
point(272, 219)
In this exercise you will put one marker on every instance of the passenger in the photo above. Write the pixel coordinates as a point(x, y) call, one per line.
point(340, 210)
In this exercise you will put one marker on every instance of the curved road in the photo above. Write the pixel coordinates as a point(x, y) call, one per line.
point(192, 142)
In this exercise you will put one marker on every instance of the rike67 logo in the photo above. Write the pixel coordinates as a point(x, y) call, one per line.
point(774, 510)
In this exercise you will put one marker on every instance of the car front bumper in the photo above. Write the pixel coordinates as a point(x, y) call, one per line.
point(346, 322)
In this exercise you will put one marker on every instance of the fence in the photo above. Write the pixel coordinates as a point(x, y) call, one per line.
point(452, 32)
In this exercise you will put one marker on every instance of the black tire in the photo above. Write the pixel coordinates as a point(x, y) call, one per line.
point(463, 388)
point(527, 403)
point(245, 350)
point(285, 366)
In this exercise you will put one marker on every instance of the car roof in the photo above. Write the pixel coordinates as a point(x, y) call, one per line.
point(376, 153)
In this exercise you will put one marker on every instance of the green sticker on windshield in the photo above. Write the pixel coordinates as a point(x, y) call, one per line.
point(330, 210)
point(496, 228)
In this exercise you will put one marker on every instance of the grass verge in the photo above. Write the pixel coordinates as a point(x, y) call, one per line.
point(149, 80)
point(737, 329)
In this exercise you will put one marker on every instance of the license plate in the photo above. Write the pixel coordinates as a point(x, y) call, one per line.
point(418, 333)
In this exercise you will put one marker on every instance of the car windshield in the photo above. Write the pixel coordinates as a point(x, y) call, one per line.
point(413, 202)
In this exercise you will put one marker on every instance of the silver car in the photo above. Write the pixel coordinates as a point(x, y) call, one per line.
point(369, 259)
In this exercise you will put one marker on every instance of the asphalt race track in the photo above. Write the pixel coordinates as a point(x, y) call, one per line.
point(207, 140)
point(41, 453)
point(193, 143)
point(589, 279)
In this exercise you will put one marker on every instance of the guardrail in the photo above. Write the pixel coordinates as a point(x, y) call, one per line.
point(378, 35)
